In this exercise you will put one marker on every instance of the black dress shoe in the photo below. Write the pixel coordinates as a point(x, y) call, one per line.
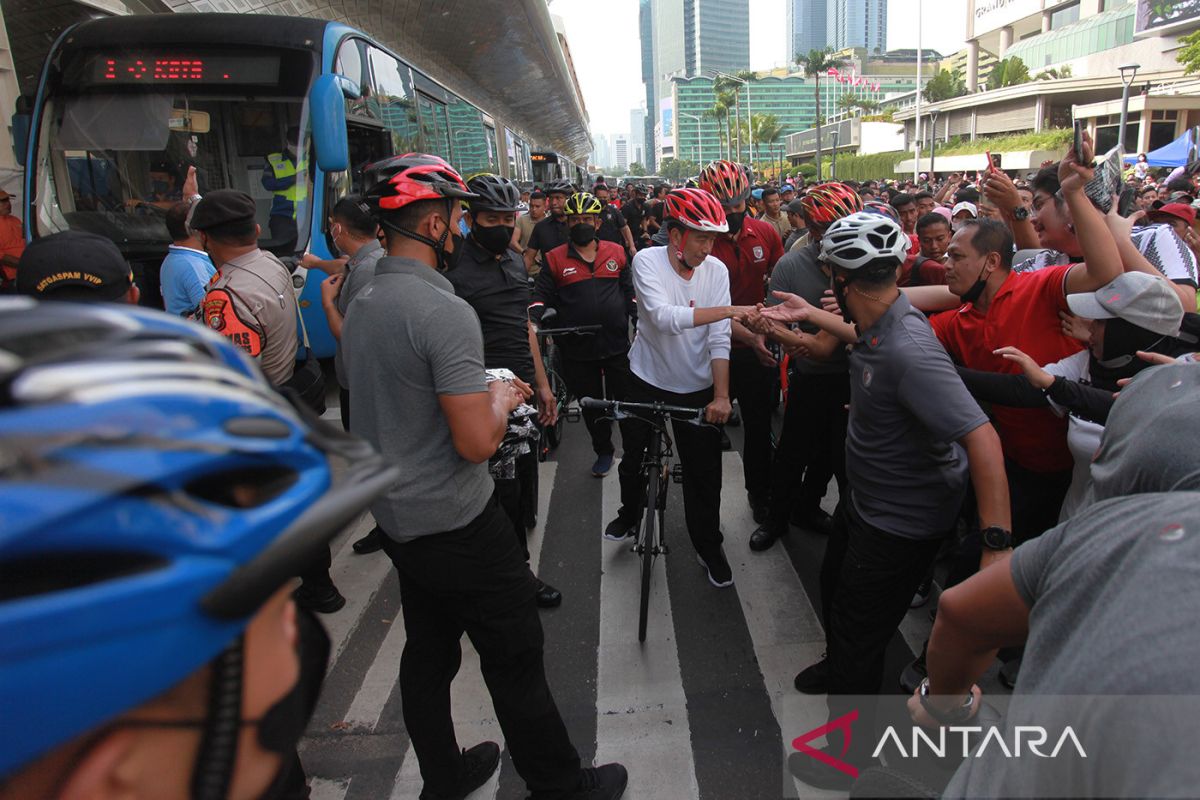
point(322, 599)
point(478, 765)
point(547, 596)
point(763, 538)
point(814, 679)
point(370, 543)
point(816, 521)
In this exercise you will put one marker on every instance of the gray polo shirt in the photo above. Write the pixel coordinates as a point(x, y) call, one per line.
point(360, 269)
point(406, 340)
point(799, 272)
point(908, 408)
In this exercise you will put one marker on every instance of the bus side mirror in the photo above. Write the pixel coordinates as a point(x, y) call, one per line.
point(327, 114)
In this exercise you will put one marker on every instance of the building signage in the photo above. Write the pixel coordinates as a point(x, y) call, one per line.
point(992, 14)
point(666, 119)
point(1156, 18)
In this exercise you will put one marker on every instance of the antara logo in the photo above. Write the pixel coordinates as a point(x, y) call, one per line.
point(1032, 737)
point(842, 724)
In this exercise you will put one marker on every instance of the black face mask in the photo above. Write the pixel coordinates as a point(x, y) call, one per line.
point(976, 290)
point(494, 239)
point(279, 728)
point(1119, 359)
point(583, 234)
point(735, 219)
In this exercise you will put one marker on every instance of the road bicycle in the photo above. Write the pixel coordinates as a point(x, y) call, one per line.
point(656, 472)
point(558, 387)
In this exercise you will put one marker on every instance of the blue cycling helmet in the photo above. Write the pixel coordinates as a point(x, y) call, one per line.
point(155, 491)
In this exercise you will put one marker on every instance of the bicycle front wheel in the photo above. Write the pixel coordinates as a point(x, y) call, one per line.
point(649, 543)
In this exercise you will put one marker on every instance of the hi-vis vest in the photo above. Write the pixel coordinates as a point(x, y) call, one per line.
point(282, 167)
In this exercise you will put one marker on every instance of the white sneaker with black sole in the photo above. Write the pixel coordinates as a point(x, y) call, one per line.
point(717, 566)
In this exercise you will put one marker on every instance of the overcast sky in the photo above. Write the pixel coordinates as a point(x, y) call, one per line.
point(604, 44)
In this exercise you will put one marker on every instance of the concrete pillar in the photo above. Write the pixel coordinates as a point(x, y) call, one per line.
point(1039, 114)
point(1045, 22)
point(1006, 39)
point(973, 65)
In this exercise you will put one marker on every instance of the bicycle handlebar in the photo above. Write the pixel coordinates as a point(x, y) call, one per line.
point(622, 405)
point(577, 329)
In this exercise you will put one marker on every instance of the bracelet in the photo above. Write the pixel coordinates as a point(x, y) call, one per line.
point(960, 714)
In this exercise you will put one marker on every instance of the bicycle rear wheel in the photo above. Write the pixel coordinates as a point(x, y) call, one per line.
point(648, 544)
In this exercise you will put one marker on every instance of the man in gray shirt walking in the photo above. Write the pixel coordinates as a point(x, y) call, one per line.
point(414, 357)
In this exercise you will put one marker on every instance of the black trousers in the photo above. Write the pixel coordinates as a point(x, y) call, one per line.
point(872, 575)
point(604, 378)
point(698, 450)
point(283, 233)
point(750, 383)
point(474, 580)
point(518, 497)
point(812, 446)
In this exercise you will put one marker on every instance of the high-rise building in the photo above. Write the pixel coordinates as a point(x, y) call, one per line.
point(621, 151)
point(601, 152)
point(857, 23)
point(686, 38)
point(637, 134)
point(805, 26)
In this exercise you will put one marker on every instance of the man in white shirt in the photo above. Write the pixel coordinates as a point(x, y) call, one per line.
point(680, 356)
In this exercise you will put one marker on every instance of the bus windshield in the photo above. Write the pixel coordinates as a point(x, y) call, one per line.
point(113, 163)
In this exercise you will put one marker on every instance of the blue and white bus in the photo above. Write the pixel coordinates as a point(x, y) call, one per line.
point(126, 105)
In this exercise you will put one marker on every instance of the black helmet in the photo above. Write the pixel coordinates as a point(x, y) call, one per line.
point(559, 187)
point(494, 193)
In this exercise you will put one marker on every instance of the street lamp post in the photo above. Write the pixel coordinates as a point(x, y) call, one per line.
point(699, 142)
point(749, 113)
point(1128, 73)
point(833, 156)
point(933, 115)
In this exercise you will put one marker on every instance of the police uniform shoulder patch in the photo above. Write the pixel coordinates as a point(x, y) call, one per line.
point(220, 314)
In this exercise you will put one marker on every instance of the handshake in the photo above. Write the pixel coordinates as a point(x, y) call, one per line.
point(773, 322)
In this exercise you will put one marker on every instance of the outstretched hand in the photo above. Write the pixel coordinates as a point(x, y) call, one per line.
point(1037, 376)
point(791, 308)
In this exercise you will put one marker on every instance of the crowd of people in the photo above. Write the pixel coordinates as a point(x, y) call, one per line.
point(955, 356)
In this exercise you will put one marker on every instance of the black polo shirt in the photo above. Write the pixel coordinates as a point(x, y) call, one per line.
point(498, 289)
point(634, 211)
point(548, 234)
point(611, 223)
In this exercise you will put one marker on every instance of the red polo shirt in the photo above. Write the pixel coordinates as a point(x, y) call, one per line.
point(1023, 314)
point(749, 259)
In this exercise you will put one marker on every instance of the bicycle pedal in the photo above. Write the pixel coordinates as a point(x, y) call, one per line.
point(573, 414)
point(677, 473)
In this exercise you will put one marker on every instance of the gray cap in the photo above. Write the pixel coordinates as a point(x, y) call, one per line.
point(1139, 298)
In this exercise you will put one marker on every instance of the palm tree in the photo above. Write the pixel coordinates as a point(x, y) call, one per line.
point(720, 113)
point(815, 64)
point(766, 129)
point(726, 86)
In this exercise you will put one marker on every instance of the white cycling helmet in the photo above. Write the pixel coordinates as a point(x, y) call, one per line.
point(858, 239)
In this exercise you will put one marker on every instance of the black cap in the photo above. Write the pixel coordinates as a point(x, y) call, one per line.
point(795, 207)
point(74, 265)
point(222, 206)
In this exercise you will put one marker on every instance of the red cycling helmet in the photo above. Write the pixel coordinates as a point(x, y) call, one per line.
point(696, 209)
point(882, 209)
point(412, 177)
point(829, 202)
point(726, 181)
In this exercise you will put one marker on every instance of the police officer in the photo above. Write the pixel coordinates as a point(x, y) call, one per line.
point(250, 300)
point(613, 225)
point(552, 231)
point(285, 178)
point(492, 279)
point(588, 282)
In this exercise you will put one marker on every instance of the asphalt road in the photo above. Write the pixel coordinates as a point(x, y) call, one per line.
point(704, 709)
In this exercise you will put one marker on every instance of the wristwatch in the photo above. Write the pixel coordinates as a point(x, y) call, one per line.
point(996, 538)
point(1020, 213)
point(959, 714)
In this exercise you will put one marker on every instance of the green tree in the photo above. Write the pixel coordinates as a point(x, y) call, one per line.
point(720, 113)
point(637, 168)
point(767, 129)
point(816, 64)
point(678, 169)
point(1189, 53)
point(850, 102)
point(1008, 72)
point(945, 85)
point(1054, 73)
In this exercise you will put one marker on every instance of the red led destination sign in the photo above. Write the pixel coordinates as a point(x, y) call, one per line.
point(183, 68)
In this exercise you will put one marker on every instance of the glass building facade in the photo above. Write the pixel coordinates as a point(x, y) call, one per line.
point(1086, 37)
